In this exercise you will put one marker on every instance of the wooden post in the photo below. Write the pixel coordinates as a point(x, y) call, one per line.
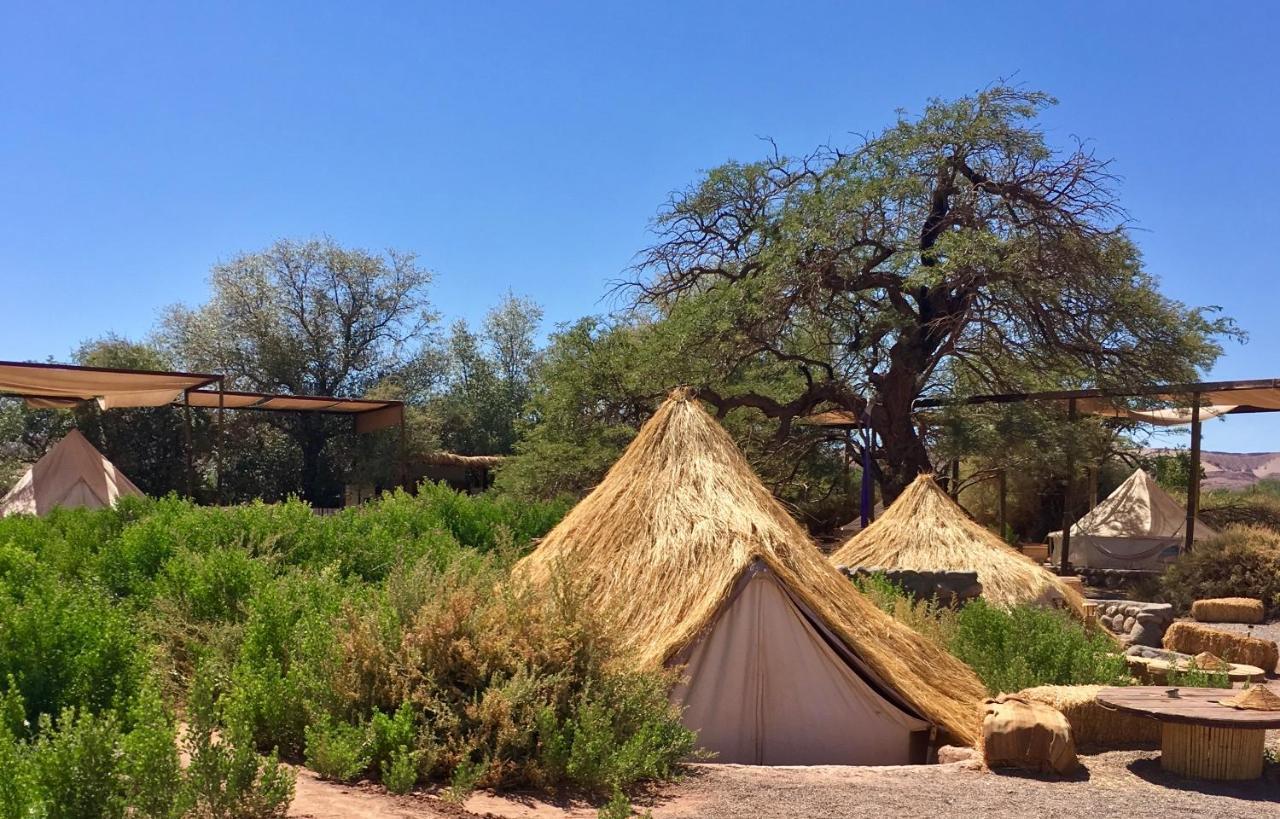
point(1004, 508)
point(217, 448)
point(1064, 559)
point(953, 485)
point(186, 434)
point(1193, 478)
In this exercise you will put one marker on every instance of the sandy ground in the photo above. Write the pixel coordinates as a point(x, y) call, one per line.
point(1115, 783)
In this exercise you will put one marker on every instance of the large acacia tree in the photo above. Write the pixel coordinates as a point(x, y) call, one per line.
point(954, 247)
point(306, 318)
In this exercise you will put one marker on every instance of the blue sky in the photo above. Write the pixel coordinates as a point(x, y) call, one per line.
point(527, 145)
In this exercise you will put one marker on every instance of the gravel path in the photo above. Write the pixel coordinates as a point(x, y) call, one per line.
point(1128, 784)
point(1117, 783)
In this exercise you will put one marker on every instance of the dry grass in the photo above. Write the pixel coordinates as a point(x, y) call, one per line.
point(924, 530)
point(662, 540)
point(1193, 638)
point(1093, 725)
point(1228, 610)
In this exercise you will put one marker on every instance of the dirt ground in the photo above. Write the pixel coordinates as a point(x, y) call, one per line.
point(1115, 783)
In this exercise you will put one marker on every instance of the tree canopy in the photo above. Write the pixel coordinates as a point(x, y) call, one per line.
point(953, 248)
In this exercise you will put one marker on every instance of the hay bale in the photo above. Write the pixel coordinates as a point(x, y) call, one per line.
point(1094, 725)
point(1193, 638)
point(1228, 610)
point(1026, 735)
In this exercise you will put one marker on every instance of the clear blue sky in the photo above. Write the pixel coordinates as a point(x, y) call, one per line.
point(527, 145)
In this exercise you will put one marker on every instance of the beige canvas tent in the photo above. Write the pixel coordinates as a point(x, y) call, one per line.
point(1138, 526)
point(925, 530)
point(784, 662)
point(71, 474)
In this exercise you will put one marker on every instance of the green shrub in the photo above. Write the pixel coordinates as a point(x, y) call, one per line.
point(337, 750)
point(1195, 677)
point(74, 765)
point(68, 647)
point(212, 586)
point(390, 735)
point(227, 779)
point(1242, 561)
point(400, 772)
point(1028, 646)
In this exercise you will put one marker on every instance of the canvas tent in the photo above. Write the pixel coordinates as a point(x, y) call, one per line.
point(784, 662)
point(1138, 526)
point(925, 530)
point(71, 474)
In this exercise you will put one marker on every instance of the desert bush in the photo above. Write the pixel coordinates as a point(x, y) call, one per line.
point(1011, 649)
point(1242, 561)
point(337, 750)
point(68, 648)
point(401, 771)
point(1028, 646)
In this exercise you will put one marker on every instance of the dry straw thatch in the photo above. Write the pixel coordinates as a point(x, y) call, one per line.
point(661, 542)
point(1227, 610)
point(1093, 725)
point(1193, 638)
point(924, 530)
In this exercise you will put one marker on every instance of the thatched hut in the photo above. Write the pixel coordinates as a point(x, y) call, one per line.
point(925, 530)
point(784, 662)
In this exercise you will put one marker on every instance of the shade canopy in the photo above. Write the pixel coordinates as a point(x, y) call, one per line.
point(61, 386)
point(64, 385)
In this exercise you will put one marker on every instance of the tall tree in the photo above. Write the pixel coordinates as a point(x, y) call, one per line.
point(305, 318)
point(947, 244)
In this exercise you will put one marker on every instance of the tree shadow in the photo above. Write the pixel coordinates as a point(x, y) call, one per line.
point(1080, 774)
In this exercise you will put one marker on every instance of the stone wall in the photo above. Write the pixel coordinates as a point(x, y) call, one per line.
point(948, 588)
point(1137, 623)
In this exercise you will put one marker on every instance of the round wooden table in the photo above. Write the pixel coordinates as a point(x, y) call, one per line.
point(1199, 738)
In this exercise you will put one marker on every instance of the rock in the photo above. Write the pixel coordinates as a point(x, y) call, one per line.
point(1129, 623)
point(956, 753)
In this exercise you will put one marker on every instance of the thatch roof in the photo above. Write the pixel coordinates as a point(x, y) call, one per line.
point(469, 461)
point(660, 543)
point(924, 530)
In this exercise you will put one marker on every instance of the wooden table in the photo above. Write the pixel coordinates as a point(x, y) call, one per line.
point(1199, 738)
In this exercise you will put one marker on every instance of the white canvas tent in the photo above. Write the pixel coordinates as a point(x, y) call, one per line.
point(1138, 526)
point(781, 660)
point(71, 474)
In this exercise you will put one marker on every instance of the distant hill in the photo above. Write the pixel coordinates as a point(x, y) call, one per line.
point(1238, 470)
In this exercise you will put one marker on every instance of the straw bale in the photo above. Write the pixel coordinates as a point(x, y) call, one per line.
point(1193, 638)
point(1017, 733)
point(1227, 610)
point(660, 543)
point(1094, 725)
point(925, 530)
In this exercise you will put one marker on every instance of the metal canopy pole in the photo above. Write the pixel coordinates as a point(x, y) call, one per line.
point(186, 434)
point(1064, 559)
point(217, 441)
point(1193, 479)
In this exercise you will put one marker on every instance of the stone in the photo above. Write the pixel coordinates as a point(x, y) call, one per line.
point(948, 754)
point(1129, 623)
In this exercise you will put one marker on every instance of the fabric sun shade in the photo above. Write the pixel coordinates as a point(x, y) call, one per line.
point(58, 385)
point(371, 414)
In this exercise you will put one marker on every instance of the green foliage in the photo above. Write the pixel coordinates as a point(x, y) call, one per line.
point(1195, 677)
point(67, 647)
point(401, 772)
point(1242, 561)
point(336, 750)
point(226, 779)
point(618, 806)
point(1028, 646)
point(379, 642)
point(1009, 650)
